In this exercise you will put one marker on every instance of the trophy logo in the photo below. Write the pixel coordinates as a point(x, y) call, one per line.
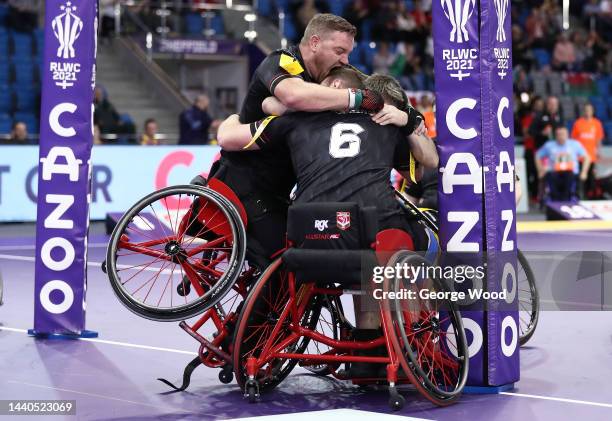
point(458, 13)
point(67, 27)
point(501, 7)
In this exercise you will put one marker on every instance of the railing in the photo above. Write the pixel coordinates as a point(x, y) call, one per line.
point(128, 17)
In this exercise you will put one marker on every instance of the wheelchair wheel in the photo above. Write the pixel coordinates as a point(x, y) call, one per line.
point(260, 316)
point(529, 300)
point(327, 319)
point(176, 252)
point(428, 336)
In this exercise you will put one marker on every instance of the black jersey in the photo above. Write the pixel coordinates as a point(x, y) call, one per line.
point(341, 157)
point(266, 172)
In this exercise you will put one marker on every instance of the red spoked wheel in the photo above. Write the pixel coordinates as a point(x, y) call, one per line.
point(176, 253)
point(427, 334)
point(265, 325)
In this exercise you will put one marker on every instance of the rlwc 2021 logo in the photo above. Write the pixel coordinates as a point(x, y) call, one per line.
point(458, 13)
point(67, 27)
point(501, 8)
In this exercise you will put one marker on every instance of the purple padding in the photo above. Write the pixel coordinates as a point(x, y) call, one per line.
point(68, 78)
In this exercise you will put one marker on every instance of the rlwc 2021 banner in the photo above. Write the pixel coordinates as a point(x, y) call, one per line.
point(120, 176)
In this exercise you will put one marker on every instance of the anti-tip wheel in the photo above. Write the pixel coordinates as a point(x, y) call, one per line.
point(226, 376)
point(396, 401)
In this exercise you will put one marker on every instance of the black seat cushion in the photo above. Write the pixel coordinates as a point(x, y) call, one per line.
point(346, 267)
point(332, 225)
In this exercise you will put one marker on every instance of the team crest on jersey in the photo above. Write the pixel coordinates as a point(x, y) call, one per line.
point(343, 220)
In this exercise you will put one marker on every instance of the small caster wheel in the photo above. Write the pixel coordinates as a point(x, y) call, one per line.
point(226, 376)
point(184, 288)
point(396, 401)
point(103, 267)
point(252, 391)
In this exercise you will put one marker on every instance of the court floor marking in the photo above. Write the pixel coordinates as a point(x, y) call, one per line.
point(520, 395)
point(104, 341)
point(551, 398)
point(96, 395)
point(93, 264)
point(33, 247)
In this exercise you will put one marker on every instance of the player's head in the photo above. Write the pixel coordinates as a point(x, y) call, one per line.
point(327, 42)
point(343, 78)
point(388, 88)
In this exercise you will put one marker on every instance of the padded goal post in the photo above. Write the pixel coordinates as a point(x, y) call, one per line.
point(64, 170)
point(474, 115)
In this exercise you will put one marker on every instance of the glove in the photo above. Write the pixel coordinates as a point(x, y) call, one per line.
point(415, 118)
point(365, 100)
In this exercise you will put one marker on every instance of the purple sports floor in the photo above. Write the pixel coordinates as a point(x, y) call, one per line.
point(566, 369)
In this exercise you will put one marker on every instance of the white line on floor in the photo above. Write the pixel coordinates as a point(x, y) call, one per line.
point(103, 341)
point(550, 398)
point(95, 395)
point(32, 247)
point(93, 264)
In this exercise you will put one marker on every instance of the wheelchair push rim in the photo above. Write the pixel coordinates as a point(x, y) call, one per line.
point(182, 264)
point(430, 342)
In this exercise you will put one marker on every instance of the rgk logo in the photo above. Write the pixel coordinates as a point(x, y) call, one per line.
point(321, 224)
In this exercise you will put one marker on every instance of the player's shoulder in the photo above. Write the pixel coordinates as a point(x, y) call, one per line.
point(286, 59)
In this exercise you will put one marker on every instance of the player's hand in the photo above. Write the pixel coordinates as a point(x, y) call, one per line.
point(421, 130)
point(365, 100)
point(390, 115)
point(583, 176)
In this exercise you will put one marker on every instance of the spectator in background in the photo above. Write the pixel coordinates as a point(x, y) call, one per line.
point(105, 115)
point(19, 134)
point(107, 14)
point(428, 112)
point(150, 137)
point(535, 26)
point(97, 140)
point(383, 59)
point(564, 54)
point(557, 163)
point(195, 122)
point(589, 132)
point(521, 54)
point(544, 123)
point(306, 11)
point(356, 12)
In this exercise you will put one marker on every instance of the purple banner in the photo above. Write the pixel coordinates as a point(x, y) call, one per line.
point(458, 116)
point(66, 138)
point(500, 209)
point(475, 144)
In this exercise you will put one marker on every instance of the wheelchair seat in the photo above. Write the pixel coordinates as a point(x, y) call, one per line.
point(331, 242)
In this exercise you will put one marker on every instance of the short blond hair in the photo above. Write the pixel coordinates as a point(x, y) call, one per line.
point(388, 87)
point(324, 23)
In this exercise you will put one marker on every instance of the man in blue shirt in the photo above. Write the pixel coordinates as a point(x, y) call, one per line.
point(558, 161)
point(194, 123)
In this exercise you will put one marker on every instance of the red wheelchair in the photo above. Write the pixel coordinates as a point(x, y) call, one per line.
point(422, 341)
point(180, 252)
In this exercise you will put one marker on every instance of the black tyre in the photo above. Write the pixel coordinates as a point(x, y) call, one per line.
point(529, 300)
point(175, 233)
point(428, 336)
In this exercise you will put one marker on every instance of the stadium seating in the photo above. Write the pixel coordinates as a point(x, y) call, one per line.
point(6, 123)
point(542, 57)
point(601, 107)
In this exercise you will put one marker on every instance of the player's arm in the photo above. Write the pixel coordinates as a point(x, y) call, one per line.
point(423, 150)
point(235, 136)
point(299, 95)
point(273, 106)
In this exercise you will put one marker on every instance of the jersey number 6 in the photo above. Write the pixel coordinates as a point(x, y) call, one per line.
point(344, 141)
